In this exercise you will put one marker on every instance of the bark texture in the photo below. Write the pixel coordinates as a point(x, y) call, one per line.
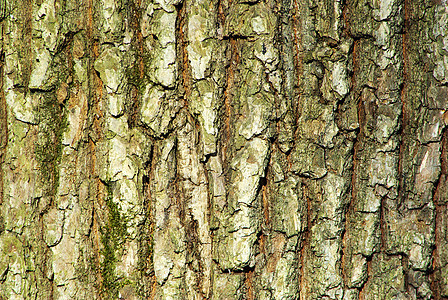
point(223, 149)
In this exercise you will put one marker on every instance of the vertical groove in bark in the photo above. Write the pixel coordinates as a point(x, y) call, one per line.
point(149, 285)
point(404, 129)
point(228, 98)
point(440, 261)
point(438, 279)
point(26, 35)
point(182, 41)
point(305, 245)
point(94, 94)
point(350, 210)
point(3, 118)
point(404, 117)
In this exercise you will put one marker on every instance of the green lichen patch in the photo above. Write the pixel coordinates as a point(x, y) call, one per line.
point(113, 237)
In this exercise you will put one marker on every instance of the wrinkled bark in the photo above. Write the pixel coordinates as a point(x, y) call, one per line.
point(223, 149)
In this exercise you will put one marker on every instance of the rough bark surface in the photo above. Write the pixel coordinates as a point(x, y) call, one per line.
point(224, 149)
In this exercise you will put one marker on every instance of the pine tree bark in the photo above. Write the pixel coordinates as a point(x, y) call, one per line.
point(223, 149)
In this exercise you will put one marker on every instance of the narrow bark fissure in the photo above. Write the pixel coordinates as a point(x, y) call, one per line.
point(357, 146)
point(184, 67)
point(150, 212)
point(27, 39)
point(137, 68)
point(406, 270)
point(95, 256)
point(383, 226)
point(226, 132)
point(248, 283)
point(298, 59)
point(266, 230)
point(365, 282)
point(404, 113)
point(304, 242)
point(265, 184)
point(193, 254)
point(3, 122)
point(441, 210)
point(286, 39)
point(95, 123)
point(147, 257)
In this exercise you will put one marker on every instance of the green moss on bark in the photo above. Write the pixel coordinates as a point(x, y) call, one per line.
point(113, 237)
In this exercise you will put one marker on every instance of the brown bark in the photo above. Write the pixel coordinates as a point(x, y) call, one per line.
point(224, 149)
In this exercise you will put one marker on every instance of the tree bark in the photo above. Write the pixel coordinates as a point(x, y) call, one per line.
point(223, 149)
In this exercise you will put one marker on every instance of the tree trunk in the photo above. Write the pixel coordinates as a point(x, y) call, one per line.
point(224, 149)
